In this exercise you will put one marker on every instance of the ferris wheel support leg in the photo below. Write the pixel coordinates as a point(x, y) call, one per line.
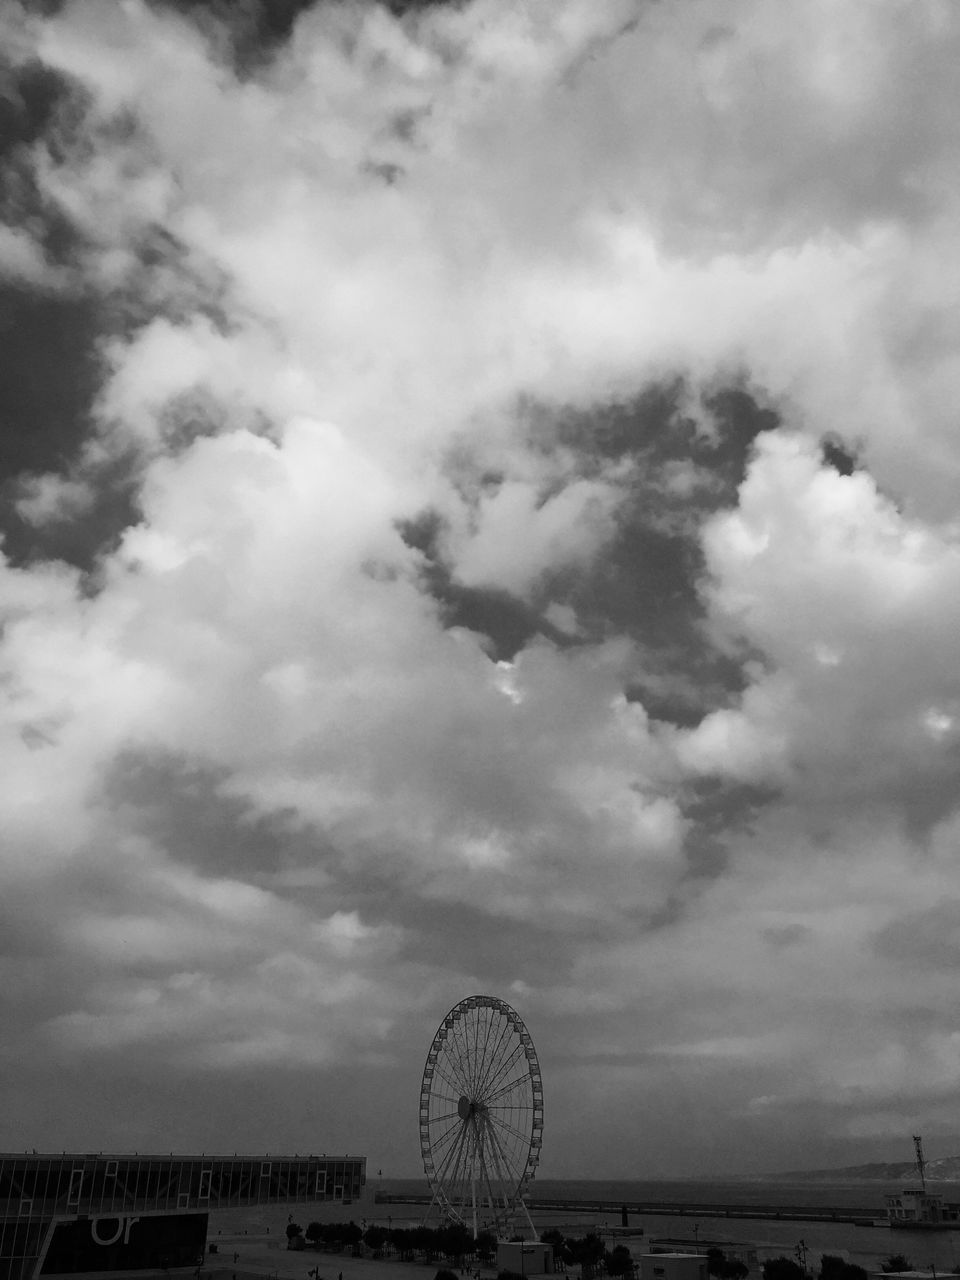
point(534, 1233)
point(430, 1207)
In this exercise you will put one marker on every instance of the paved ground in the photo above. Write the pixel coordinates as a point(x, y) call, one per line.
point(258, 1256)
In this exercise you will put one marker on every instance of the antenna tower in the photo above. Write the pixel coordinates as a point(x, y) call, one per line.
point(921, 1163)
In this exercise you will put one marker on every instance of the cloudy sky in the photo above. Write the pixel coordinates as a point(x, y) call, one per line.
point(481, 513)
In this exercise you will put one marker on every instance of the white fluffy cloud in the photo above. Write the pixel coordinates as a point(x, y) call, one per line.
point(282, 795)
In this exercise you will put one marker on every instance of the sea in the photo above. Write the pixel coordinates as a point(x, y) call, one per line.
point(867, 1246)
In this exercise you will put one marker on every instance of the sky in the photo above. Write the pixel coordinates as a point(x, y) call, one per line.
point(479, 495)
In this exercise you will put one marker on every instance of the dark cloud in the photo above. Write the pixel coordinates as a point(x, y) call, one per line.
point(184, 808)
point(54, 331)
point(484, 944)
point(49, 377)
point(252, 32)
point(30, 98)
point(836, 455)
point(39, 107)
point(253, 29)
point(720, 814)
point(645, 583)
point(507, 621)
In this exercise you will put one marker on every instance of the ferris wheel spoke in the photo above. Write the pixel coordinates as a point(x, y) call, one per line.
point(509, 1055)
point(478, 1025)
point(455, 1085)
point(503, 1159)
point(449, 1091)
point(492, 1194)
point(444, 1099)
point(447, 1115)
point(462, 1164)
point(497, 1030)
point(451, 1064)
point(519, 1082)
point(450, 1133)
point(443, 1156)
point(465, 1058)
point(475, 1055)
point(490, 1058)
point(499, 1187)
point(465, 1071)
point(481, 1034)
point(488, 1172)
point(502, 1125)
point(506, 1066)
point(455, 1146)
point(483, 1054)
point(456, 1077)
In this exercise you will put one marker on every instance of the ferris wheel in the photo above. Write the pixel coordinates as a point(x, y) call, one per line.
point(481, 1116)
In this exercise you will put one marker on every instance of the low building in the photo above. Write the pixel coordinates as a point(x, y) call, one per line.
point(914, 1208)
point(673, 1266)
point(525, 1257)
point(744, 1251)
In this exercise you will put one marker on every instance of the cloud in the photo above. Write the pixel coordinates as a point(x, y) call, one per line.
point(425, 572)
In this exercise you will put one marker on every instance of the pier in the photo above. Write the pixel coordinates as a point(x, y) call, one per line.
point(681, 1209)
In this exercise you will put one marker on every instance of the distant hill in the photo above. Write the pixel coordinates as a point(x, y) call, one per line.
point(945, 1169)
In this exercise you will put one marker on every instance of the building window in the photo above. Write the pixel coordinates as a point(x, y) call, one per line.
point(265, 1168)
point(76, 1183)
point(204, 1185)
point(111, 1170)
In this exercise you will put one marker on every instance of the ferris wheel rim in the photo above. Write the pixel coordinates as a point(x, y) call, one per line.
point(499, 1111)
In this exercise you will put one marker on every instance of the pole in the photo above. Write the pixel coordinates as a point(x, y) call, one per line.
point(801, 1252)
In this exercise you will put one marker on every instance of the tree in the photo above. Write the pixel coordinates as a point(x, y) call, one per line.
point(834, 1268)
point(444, 1274)
point(619, 1262)
point(350, 1233)
point(897, 1262)
point(454, 1240)
point(374, 1237)
point(782, 1269)
point(486, 1244)
point(294, 1229)
point(724, 1268)
point(586, 1250)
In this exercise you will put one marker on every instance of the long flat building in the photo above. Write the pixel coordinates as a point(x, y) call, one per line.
point(72, 1214)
